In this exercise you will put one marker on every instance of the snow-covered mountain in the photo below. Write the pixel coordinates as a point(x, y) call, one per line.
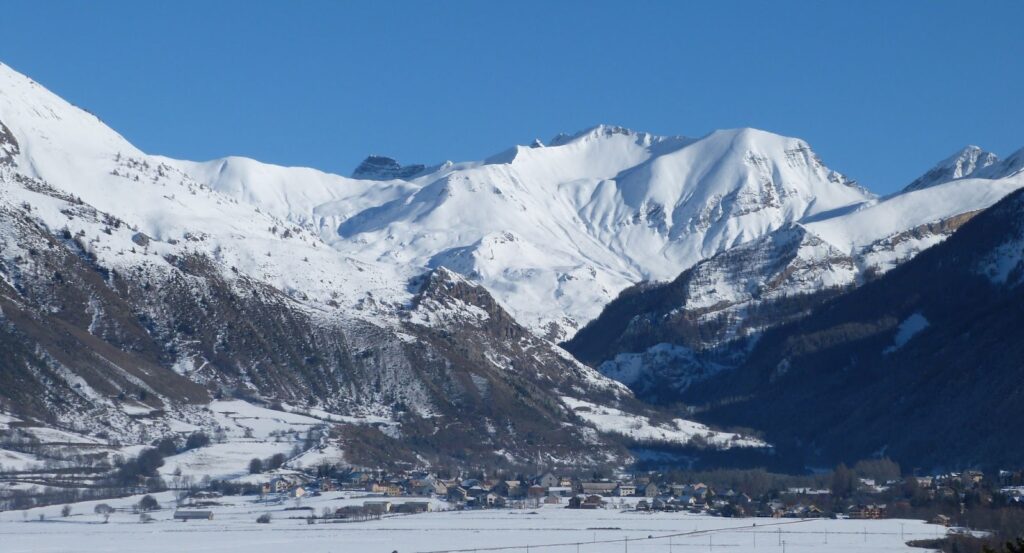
point(133, 288)
point(661, 338)
point(957, 166)
point(555, 232)
point(924, 363)
point(421, 303)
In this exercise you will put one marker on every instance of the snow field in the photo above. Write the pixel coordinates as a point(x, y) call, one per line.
point(550, 529)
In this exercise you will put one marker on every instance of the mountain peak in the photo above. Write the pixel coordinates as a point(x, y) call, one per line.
point(603, 131)
point(376, 167)
point(964, 163)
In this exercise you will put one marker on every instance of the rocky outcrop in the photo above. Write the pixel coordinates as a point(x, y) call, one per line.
point(385, 168)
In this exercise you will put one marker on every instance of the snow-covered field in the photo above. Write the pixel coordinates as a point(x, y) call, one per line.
point(551, 529)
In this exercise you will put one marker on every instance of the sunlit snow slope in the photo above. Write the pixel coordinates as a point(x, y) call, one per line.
point(555, 231)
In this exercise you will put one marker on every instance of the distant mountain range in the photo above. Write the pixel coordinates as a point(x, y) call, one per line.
point(423, 304)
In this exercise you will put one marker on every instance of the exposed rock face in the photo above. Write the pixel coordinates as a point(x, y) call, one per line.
point(385, 168)
point(957, 166)
point(8, 145)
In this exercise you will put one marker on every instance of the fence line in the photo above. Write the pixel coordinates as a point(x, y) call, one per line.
point(618, 540)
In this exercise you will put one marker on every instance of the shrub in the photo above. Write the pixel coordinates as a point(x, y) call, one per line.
point(148, 503)
point(264, 518)
point(197, 440)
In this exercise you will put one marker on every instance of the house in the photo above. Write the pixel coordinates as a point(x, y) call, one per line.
point(298, 492)
point(650, 490)
point(280, 485)
point(392, 489)
point(643, 505)
point(942, 520)
point(560, 491)
point(421, 486)
point(598, 488)
point(440, 488)
point(586, 502)
point(509, 488)
point(625, 490)
point(185, 516)
point(971, 478)
point(458, 494)
point(536, 492)
point(547, 480)
point(684, 501)
point(327, 485)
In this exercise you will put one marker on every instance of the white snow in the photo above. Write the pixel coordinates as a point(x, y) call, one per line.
point(234, 529)
point(909, 328)
point(680, 431)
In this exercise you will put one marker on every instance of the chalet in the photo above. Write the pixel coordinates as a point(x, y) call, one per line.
point(185, 516)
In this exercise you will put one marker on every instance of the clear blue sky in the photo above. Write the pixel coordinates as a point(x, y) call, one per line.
point(881, 89)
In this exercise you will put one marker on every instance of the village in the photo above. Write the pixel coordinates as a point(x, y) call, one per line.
point(942, 499)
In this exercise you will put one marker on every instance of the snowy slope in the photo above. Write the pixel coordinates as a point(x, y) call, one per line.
point(555, 232)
